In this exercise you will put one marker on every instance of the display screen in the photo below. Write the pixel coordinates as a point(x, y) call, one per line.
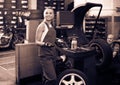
point(64, 18)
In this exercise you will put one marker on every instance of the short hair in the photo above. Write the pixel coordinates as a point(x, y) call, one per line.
point(111, 35)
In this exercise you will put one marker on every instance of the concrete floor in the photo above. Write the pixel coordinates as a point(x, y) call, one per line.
point(8, 77)
point(7, 70)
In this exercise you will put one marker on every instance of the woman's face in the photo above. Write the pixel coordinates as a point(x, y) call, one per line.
point(48, 14)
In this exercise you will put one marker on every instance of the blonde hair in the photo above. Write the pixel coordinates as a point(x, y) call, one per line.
point(48, 8)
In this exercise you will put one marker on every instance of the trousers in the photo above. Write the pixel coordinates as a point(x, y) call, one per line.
point(48, 69)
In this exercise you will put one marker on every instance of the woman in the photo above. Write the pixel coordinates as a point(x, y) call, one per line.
point(45, 38)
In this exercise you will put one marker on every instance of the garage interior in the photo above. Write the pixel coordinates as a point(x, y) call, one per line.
point(91, 21)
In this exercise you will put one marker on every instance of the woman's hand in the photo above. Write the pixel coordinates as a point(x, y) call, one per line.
point(48, 44)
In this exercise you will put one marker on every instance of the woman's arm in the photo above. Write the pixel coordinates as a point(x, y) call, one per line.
point(39, 32)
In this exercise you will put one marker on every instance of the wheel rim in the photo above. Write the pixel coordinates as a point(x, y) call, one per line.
point(72, 79)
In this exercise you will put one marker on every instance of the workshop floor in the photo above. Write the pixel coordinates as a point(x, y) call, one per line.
point(7, 67)
point(7, 70)
point(7, 73)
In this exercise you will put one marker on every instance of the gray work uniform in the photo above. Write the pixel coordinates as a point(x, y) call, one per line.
point(48, 54)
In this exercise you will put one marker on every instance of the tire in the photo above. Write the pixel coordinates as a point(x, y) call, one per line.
point(104, 53)
point(72, 77)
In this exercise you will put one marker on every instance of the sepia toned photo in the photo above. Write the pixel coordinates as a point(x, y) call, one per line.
point(59, 42)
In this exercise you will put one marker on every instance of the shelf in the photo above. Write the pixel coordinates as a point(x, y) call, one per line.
point(101, 28)
point(56, 4)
